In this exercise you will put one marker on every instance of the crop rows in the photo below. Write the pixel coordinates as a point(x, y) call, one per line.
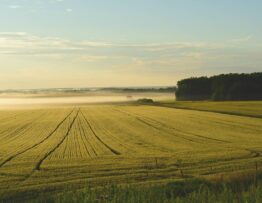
point(58, 147)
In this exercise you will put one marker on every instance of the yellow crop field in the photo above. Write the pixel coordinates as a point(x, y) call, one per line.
point(46, 150)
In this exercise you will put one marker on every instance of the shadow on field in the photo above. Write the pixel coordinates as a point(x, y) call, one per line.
point(240, 187)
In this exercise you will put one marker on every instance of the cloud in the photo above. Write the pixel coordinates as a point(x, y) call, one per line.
point(14, 6)
point(129, 56)
point(108, 63)
point(25, 40)
point(96, 44)
point(90, 58)
point(241, 39)
point(69, 10)
point(24, 43)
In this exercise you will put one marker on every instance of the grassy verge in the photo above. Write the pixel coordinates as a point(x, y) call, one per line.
point(239, 188)
point(241, 108)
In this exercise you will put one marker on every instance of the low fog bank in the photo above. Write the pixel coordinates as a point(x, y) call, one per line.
point(11, 101)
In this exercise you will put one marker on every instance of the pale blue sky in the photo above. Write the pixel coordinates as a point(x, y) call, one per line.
point(80, 43)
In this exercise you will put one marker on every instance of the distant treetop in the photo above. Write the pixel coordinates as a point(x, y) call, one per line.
point(221, 87)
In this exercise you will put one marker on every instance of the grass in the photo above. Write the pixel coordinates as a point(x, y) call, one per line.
point(242, 108)
point(47, 151)
point(242, 189)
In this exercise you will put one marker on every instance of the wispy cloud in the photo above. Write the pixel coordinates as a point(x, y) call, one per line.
point(69, 10)
point(22, 40)
point(24, 43)
point(14, 6)
point(112, 63)
point(90, 58)
point(241, 39)
point(123, 55)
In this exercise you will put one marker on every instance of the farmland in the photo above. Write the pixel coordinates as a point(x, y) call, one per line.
point(48, 150)
point(241, 108)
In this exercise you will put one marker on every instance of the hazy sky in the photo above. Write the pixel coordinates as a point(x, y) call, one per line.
point(82, 43)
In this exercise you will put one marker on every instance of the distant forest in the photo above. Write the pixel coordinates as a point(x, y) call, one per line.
point(88, 90)
point(142, 90)
point(221, 87)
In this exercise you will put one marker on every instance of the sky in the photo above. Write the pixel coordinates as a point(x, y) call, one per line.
point(112, 43)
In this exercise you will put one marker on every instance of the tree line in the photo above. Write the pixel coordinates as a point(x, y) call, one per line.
point(221, 87)
point(141, 90)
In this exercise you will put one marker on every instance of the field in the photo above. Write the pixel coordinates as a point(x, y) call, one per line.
point(52, 149)
point(241, 108)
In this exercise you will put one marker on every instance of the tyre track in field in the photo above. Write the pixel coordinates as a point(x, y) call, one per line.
point(172, 128)
point(23, 131)
point(157, 128)
point(193, 134)
point(77, 141)
point(98, 138)
point(39, 163)
point(37, 144)
point(252, 153)
point(117, 140)
point(131, 141)
point(82, 133)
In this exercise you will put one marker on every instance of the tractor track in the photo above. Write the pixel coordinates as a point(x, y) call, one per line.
point(193, 134)
point(169, 127)
point(116, 139)
point(37, 144)
point(253, 153)
point(83, 137)
point(157, 128)
point(98, 138)
point(39, 163)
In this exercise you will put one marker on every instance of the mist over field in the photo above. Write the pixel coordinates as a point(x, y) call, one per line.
point(78, 99)
point(19, 98)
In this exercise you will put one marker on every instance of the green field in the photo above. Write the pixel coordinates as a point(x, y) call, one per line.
point(242, 108)
point(51, 150)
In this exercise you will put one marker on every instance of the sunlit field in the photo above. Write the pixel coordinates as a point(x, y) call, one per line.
point(50, 150)
point(241, 108)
